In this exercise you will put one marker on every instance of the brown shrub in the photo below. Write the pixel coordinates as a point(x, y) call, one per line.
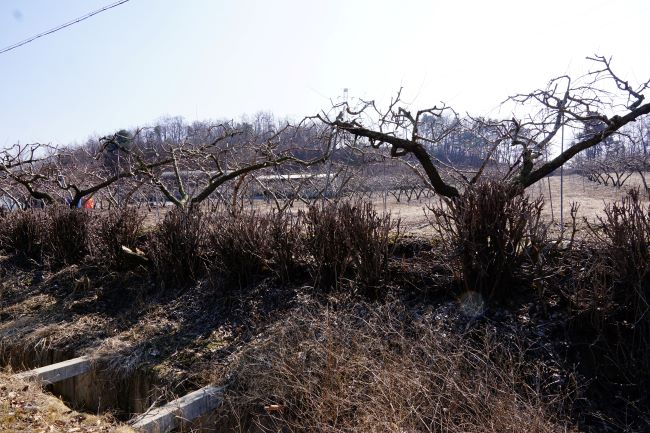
point(369, 368)
point(69, 235)
point(490, 232)
point(613, 290)
point(120, 227)
point(24, 233)
point(286, 254)
point(177, 248)
point(58, 236)
point(4, 225)
point(327, 246)
point(348, 242)
point(239, 245)
point(244, 245)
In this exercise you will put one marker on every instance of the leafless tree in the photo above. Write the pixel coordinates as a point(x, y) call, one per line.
point(186, 164)
point(197, 171)
point(67, 175)
point(616, 160)
point(23, 166)
point(639, 149)
point(599, 96)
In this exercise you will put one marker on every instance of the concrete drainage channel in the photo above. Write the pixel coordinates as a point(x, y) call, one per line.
point(192, 411)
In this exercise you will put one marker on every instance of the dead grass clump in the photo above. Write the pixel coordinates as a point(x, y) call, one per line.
point(176, 249)
point(121, 227)
point(348, 241)
point(490, 232)
point(368, 368)
point(121, 358)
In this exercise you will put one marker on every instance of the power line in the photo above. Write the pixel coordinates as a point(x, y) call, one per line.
point(62, 26)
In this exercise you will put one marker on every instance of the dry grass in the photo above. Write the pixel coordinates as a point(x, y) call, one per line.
point(370, 368)
point(350, 368)
point(24, 407)
point(591, 197)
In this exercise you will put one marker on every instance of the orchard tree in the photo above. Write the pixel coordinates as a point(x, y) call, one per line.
point(490, 228)
point(193, 169)
point(187, 164)
point(600, 98)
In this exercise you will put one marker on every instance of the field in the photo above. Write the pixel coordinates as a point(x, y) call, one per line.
point(370, 331)
point(347, 260)
point(591, 198)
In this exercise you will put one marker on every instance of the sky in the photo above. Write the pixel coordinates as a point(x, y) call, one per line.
point(222, 59)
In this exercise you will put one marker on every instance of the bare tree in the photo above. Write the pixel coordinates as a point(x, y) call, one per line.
point(638, 144)
point(614, 161)
point(67, 175)
point(187, 164)
point(22, 168)
point(599, 96)
point(195, 171)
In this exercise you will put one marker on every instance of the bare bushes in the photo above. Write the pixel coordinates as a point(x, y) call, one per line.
point(69, 238)
point(490, 232)
point(327, 244)
point(349, 242)
point(121, 227)
point(624, 233)
point(23, 233)
point(245, 245)
point(341, 245)
point(176, 249)
point(613, 280)
point(236, 246)
point(239, 245)
point(59, 236)
point(4, 224)
point(336, 243)
point(287, 250)
point(380, 368)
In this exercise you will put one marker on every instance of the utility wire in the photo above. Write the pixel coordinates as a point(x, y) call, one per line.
point(62, 26)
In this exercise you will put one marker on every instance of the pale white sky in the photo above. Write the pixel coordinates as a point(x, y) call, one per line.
point(211, 59)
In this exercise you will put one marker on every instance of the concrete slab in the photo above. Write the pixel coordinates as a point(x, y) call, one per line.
point(60, 371)
point(184, 409)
